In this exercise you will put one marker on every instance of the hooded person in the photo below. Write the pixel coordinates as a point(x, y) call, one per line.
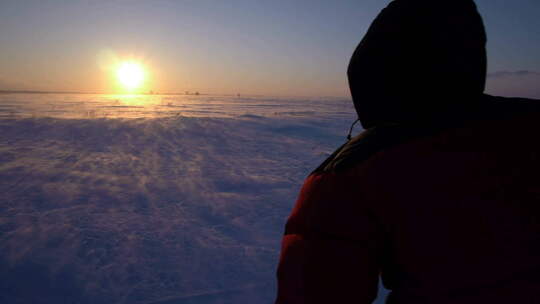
point(439, 195)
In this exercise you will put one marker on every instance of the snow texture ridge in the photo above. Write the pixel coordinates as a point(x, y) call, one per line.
point(174, 207)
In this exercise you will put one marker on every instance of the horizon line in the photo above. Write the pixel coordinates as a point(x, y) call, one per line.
point(186, 93)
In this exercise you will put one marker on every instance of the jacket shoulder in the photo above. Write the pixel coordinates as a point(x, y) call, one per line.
point(368, 143)
point(513, 107)
point(502, 110)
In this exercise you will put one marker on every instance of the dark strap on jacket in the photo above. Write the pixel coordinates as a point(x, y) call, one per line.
point(368, 143)
point(384, 137)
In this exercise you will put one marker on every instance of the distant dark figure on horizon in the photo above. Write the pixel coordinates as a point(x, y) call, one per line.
point(440, 195)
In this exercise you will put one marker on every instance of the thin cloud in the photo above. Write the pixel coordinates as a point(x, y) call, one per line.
point(502, 74)
point(7, 83)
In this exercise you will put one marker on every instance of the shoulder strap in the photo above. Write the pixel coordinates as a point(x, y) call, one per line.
point(368, 143)
point(384, 137)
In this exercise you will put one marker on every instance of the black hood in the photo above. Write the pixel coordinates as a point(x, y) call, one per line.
point(419, 59)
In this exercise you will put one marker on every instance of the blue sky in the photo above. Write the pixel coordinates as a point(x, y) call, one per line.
point(282, 47)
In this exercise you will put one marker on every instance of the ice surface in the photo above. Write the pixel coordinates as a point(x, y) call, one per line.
point(156, 106)
point(153, 199)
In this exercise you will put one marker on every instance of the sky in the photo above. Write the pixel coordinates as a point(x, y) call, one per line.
point(278, 47)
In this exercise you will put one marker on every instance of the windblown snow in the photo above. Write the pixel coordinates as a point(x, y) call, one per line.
point(153, 199)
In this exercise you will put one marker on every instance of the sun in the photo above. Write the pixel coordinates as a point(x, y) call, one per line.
point(130, 75)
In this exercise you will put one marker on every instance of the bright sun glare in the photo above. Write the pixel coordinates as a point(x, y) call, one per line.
point(130, 74)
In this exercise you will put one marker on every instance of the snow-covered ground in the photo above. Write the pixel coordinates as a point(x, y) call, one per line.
point(153, 199)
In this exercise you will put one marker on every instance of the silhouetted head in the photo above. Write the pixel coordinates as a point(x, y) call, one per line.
point(419, 59)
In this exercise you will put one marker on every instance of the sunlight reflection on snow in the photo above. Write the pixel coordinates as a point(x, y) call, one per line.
point(153, 198)
point(155, 106)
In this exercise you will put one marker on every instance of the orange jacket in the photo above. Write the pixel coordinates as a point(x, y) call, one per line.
point(446, 216)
